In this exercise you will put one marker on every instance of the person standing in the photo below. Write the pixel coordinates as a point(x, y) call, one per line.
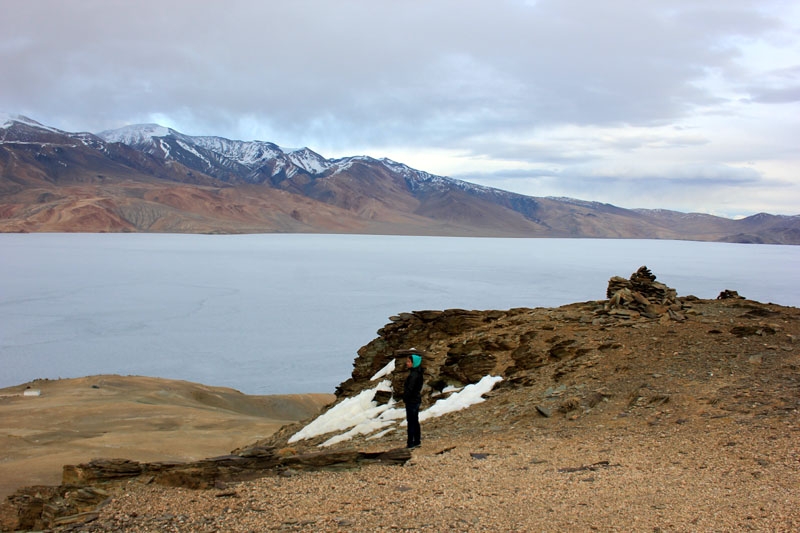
point(412, 398)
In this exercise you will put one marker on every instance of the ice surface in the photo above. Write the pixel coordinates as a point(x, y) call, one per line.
point(274, 314)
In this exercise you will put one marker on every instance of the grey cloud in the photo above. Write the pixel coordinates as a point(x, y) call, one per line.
point(571, 151)
point(491, 80)
point(423, 72)
point(687, 175)
point(780, 86)
point(680, 189)
point(782, 95)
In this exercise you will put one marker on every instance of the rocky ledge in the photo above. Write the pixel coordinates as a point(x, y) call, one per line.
point(462, 346)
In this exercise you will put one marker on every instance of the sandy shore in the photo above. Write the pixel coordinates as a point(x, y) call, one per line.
point(46, 424)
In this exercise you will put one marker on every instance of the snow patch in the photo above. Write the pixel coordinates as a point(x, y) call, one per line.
point(384, 419)
point(256, 154)
point(348, 413)
point(466, 397)
point(188, 147)
point(135, 134)
point(575, 201)
point(361, 415)
point(309, 161)
point(388, 369)
point(251, 154)
point(8, 119)
point(164, 147)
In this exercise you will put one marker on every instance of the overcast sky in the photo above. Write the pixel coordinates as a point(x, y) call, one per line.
point(690, 105)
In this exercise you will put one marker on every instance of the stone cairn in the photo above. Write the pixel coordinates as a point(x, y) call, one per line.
point(642, 295)
point(728, 294)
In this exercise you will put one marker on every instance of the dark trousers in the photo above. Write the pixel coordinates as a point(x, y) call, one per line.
point(412, 418)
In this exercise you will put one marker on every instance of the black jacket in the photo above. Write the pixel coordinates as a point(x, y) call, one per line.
point(413, 386)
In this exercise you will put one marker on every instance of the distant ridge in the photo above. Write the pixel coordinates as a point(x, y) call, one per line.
point(149, 178)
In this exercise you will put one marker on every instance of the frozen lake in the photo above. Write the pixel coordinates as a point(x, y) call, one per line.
point(274, 314)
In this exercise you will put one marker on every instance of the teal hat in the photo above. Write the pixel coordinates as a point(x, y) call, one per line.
point(416, 360)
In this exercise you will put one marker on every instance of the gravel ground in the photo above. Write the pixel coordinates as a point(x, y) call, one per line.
point(715, 475)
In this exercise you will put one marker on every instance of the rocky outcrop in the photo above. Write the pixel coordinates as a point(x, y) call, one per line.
point(247, 463)
point(452, 355)
point(462, 346)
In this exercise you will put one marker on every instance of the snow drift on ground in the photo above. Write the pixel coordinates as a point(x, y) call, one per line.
point(361, 415)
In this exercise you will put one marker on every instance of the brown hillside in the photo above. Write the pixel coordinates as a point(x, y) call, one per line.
point(55, 181)
point(147, 419)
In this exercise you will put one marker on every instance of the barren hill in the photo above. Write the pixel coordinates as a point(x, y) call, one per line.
point(647, 411)
point(147, 178)
point(49, 423)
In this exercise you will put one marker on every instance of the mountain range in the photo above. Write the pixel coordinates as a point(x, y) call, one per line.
point(148, 178)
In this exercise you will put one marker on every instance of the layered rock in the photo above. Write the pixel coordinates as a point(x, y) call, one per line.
point(87, 486)
point(462, 346)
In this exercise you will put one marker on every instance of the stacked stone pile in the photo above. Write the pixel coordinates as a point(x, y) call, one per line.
point(642, 295)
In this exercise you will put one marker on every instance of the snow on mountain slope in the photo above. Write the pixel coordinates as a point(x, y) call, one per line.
point(254, 160)
point(256, 155)
point(135, 134)
point(309, 160)
point(419, 178)
point(21, 129)
point(377, 193)
point(260, 161)
point(227, 153)
point(8, 119)
point(248, 153)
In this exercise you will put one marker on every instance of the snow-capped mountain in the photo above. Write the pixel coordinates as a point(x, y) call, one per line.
point(19, 128)
point(260, 161)
point(151, 178)
point(7, 120)
point(230, 161)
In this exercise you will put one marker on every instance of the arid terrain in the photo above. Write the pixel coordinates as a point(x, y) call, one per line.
point(145, 178)
point(146, 419)
point(644, 412)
